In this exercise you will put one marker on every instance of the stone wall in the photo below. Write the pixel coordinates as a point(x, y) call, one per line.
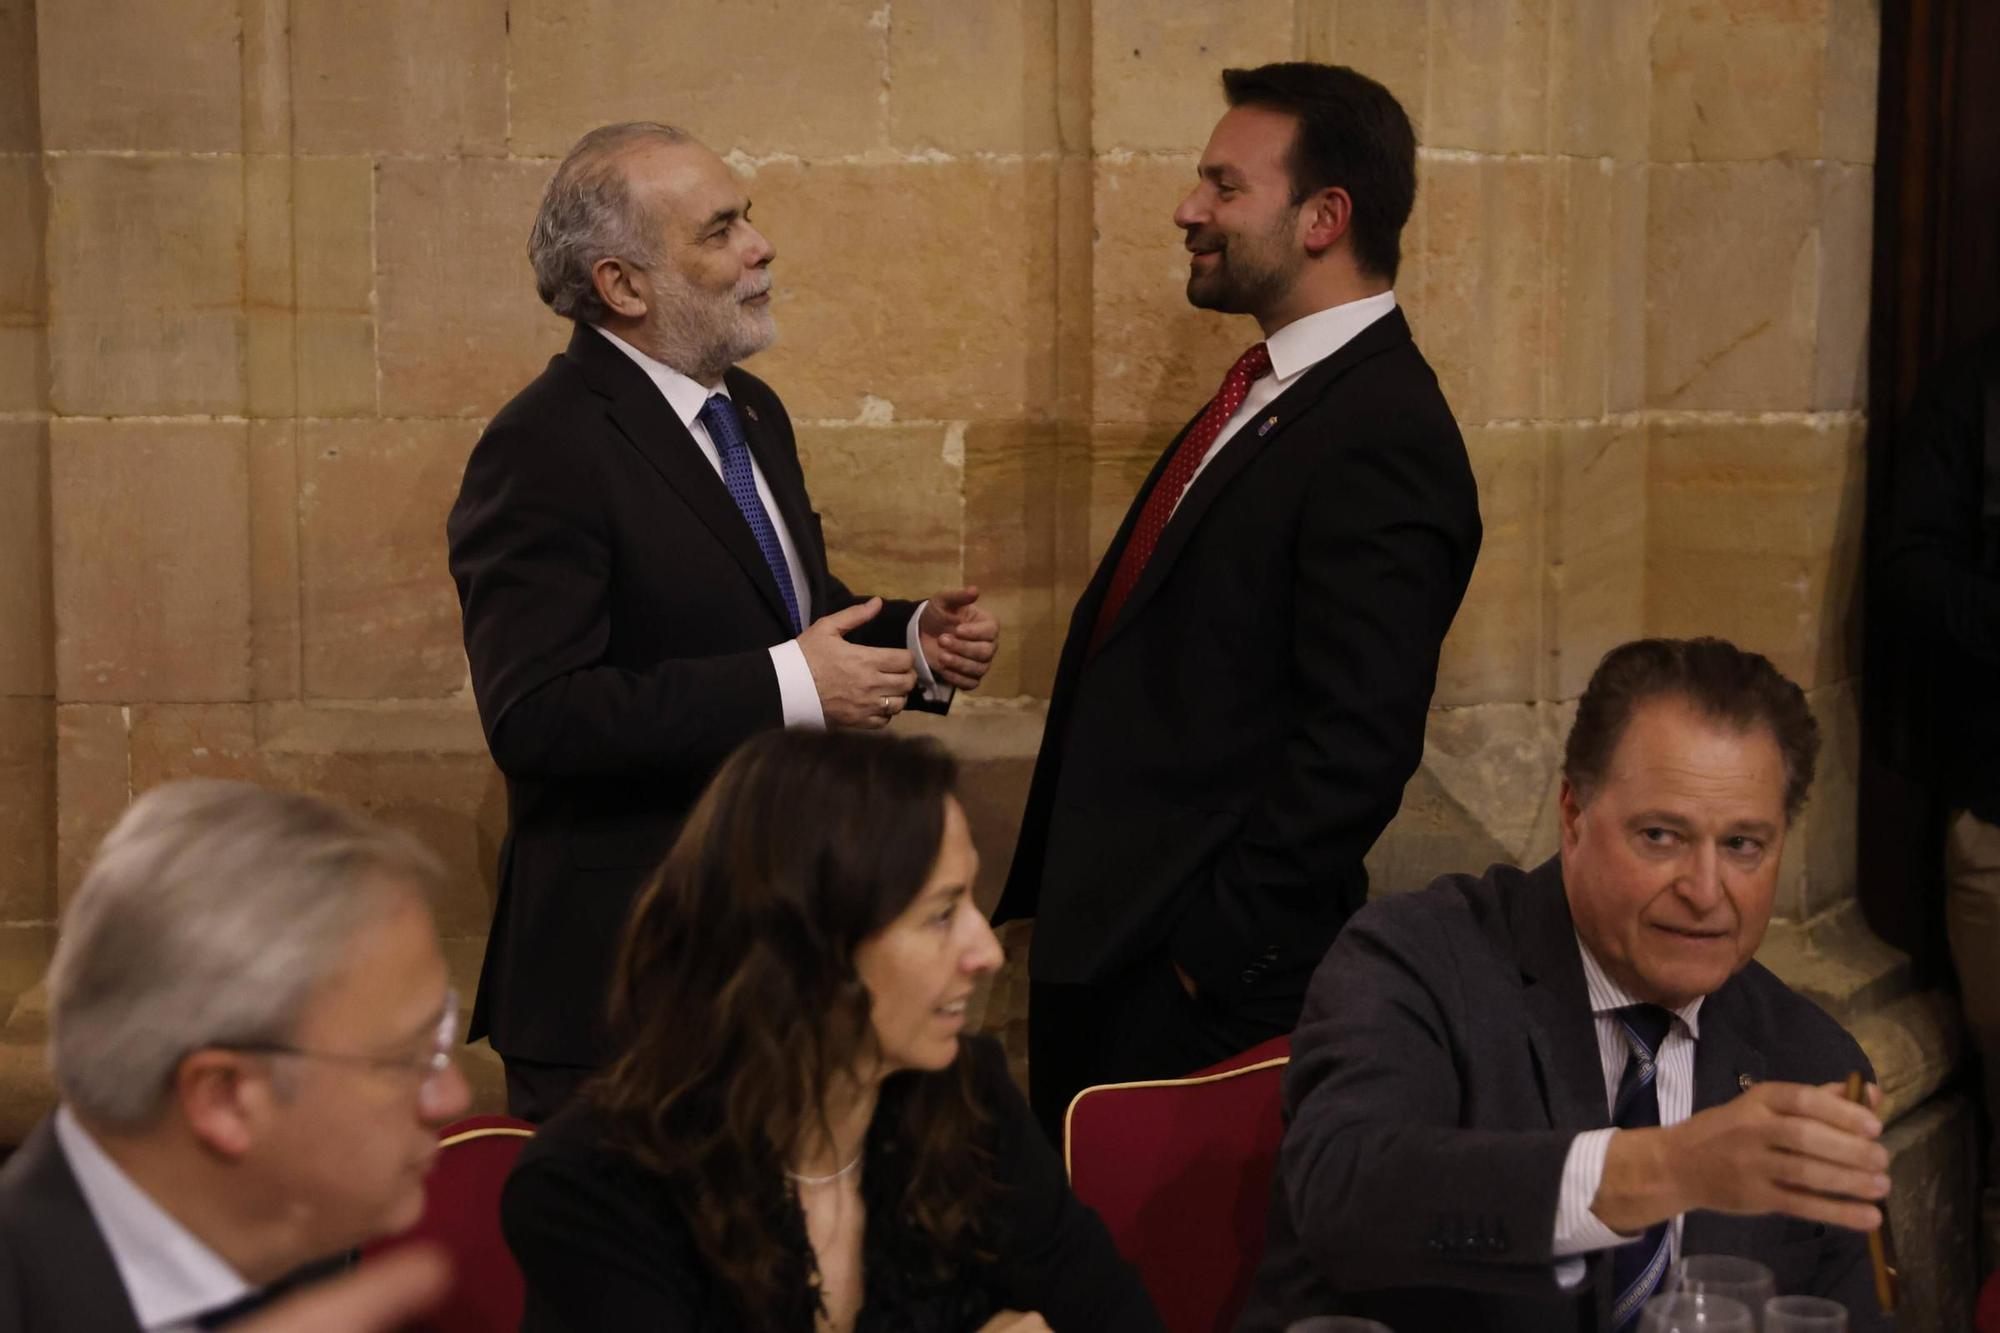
point(262, 280)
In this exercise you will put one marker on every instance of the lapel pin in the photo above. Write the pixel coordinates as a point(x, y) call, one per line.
point(1265, 429)
point(749, 411)
point(1745, 1082)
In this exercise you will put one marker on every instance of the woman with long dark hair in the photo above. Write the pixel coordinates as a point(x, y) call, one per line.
point(796, 1135)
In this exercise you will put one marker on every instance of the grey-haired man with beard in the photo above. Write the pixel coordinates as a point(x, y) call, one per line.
point(644, 582)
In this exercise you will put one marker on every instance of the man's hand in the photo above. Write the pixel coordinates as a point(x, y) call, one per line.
point(858, 687)
point(1779, 1148)
point(1013, 1321)
point(958, 638)
point(381, 1295)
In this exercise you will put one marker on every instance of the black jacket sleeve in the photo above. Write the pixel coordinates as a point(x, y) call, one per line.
point(533, 564)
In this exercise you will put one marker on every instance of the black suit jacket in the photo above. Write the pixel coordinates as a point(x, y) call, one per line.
point(56, 1273)
point(1211, 777)
point(617, 615)
point(1446, 1058)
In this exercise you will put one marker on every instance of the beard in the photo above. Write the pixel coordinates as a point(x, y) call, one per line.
point(1250, 272)
point(701, 334)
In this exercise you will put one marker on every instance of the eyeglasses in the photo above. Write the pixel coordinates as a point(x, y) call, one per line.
point(431, 1067)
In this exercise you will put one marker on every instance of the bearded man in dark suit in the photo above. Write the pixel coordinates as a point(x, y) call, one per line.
point(1244, 688)
point(644, 582)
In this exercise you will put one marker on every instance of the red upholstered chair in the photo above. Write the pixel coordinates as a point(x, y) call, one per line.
point(1986, 1319)
point(1180, 1171)
point(462, 1214)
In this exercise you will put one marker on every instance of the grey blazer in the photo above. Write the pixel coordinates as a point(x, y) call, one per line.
point(56, 1273)
point(1445, 1060)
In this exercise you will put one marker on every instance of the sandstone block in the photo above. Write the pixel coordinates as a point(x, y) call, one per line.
point(455, 803)
point(274, 559)
point(1600, 68)
point(900, 539)
point(1733, 264)
point(333, 210)
point(1489, 83)
point(460, 329)
point(20, 101)
point(1491, 653)
point(1432, 834)
point(335, 364)
point(1753, 533)
point(270, 355)
point(1498, 764)
point(1846, 236)
point(23, 202)
point(380, 614)
point(966, 334)
point(24, 367)
point(973, 78)
point(1625, 377)
point(1933, 1213)
point(1486, 269)
point(151, 560)
point(1388, 40)
point(268, 243)
point(28, 815)
point(26, 602)
point(93, 785)
point(996, 743)
point(1157, 69)
point(1739, 80)
point(146, 285)
point(1014, 505)
point(1595, 542)
point(1853, 50)
point(147, 77)
point(1819, 854)
point(1155, 359)
point(378, 76)
point(1581, 275)
point(1121, 457)
point(730, 72)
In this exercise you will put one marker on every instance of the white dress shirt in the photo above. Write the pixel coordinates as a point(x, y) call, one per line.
point(1295, 349)
point(1578, 1229)
point(170, 1277)
point(797, 694)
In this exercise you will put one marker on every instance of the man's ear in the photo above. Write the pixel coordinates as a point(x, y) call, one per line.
point(618, 287)
point(225, 1097)
point(1327, 216)
point(1569, 809)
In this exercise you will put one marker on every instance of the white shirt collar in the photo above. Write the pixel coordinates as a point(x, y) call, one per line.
point(1313, 338)
point(170, 1276)
point(1606, 994)
point(686, 396)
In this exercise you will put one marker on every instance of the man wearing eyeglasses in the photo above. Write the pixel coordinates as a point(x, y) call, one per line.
point(250, 1027)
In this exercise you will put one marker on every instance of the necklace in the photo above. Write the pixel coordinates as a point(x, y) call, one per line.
point(798, 1179)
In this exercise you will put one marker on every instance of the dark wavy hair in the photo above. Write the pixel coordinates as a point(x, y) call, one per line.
point(736, 1002)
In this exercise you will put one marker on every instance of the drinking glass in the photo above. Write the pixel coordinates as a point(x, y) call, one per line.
point(1743, 1280)
point(1804, 1314)
point(1695, 1312)
point(1335, 1323)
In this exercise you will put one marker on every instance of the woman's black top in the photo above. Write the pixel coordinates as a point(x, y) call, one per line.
point(605, 1245)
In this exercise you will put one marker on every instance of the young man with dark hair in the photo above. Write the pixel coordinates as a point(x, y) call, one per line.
point(1244, 688)
point(1514, 1099)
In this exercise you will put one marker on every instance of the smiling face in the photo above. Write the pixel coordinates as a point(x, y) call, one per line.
point(922, 967)
point(708, 295)
point(1671, 864)
point(1243, 227)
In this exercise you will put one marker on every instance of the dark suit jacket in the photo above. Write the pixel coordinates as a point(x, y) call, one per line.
point(1210, 779)
point(1446, 1058)
point(56, 1273)
point(618, 615)
point(605, 1244)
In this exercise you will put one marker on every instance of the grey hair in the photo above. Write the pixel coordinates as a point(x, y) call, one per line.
point(588, 214)
point(210, 916)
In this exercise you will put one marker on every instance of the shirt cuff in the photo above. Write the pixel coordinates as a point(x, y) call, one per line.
point(1579, 1230)
point(797, 694)
point(927, 684)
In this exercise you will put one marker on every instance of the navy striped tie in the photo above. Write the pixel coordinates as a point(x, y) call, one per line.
point(719, 415)
point(1638, 1266)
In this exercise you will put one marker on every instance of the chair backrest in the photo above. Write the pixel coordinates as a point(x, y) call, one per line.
point(462, 1214)
point(1986, 1318)
point(1180, 1170)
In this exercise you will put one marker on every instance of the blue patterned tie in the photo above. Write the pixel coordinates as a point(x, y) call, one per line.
point(719, 415)
point(1638, 1266)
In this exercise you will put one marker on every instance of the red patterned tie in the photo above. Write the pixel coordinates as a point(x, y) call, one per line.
point(1159, 507)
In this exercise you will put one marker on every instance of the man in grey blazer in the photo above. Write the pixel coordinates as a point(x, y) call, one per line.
point(1515, 1099)
point(250, 1024)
